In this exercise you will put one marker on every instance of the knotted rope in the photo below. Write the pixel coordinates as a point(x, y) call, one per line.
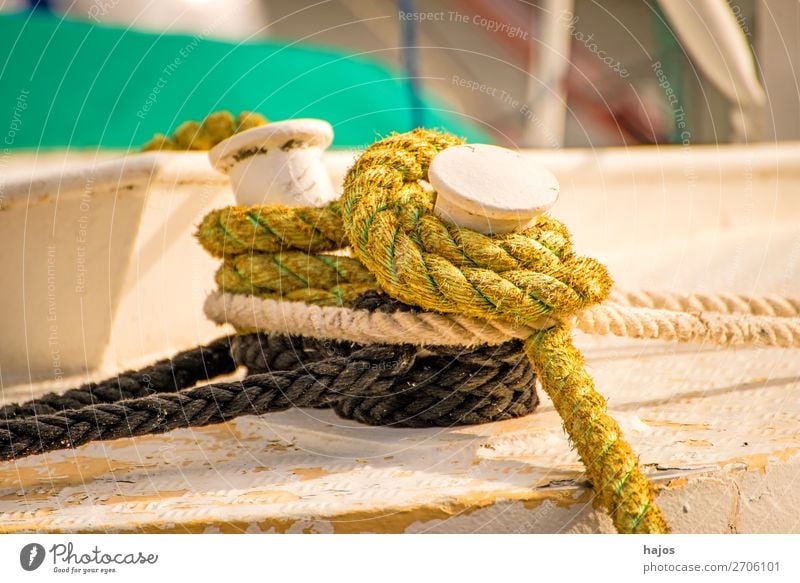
point(531, 282)
point(417, 258)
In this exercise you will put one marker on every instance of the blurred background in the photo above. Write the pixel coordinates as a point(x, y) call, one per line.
point(548, 74)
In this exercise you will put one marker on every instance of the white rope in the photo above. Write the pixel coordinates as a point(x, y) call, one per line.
point(723, 303)
point(426, 328)
point(246, 312)
point(706, 327)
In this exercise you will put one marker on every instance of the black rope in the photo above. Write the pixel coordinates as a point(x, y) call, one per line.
point(182, 371)
point(378, 384)
point(405, 386)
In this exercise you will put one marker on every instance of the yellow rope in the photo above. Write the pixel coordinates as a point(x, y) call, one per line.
point(611, 464)
point(328, 280)
point(270, 228)
point(192, 135)
point(403, 248)
point(415, 257)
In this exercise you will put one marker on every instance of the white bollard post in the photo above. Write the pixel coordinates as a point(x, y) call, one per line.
point(278, 163)
point(490, 189)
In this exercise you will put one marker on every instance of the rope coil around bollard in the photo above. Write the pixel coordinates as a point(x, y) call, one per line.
point(378, 384)
point(418, 259)
point(402, 248)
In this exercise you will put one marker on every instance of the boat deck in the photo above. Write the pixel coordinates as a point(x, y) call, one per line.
point(717, 429)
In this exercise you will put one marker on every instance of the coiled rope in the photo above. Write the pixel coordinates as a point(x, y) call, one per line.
point(397, 385)
point(283, 254)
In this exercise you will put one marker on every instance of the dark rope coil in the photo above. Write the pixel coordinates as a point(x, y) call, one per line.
point(378, 384)
point(405, 386)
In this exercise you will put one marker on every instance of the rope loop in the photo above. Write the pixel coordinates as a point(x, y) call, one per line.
point(419, 259)
point(389, 219)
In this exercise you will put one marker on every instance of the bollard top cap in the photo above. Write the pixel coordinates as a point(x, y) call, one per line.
point(286, 135)
point(489, 188)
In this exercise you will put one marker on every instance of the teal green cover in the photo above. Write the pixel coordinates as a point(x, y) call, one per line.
point(66, 83)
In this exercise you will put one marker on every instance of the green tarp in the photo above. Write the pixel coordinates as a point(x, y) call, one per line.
point(66, 83)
